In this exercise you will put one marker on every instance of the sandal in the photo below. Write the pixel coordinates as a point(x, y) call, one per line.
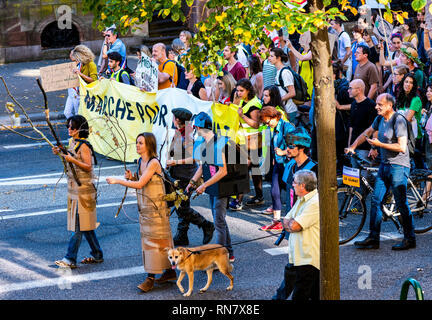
point(65, 263)
point(91, 260)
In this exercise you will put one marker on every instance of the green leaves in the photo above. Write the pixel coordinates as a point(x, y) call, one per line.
point(418, 5)
point(228, 22)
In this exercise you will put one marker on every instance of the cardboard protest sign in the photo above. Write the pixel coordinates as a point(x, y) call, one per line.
point(59, 77)
point(146, 74)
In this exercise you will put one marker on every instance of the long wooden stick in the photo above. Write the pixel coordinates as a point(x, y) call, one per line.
point(54, 134)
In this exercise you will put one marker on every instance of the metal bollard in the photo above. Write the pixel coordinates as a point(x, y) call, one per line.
point(416, 286)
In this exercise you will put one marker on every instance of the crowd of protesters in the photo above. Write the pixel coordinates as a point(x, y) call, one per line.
point(377, 77)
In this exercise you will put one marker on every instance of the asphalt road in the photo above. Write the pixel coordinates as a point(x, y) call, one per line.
point(33, 235)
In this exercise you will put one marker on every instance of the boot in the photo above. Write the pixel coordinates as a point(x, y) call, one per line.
point(208, 229)
point(167, 275)
point(147, 285)
point(181, 239)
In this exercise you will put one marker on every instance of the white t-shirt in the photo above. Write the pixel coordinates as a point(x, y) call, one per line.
point(288, 80)
point(344, 42)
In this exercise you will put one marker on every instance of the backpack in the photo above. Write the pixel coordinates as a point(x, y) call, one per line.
point(411, 141)
point(300, 86)
point(182, 82)
point(118, 77)
point(168, 181)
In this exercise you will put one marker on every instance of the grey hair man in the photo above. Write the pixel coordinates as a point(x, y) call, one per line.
point(394, 169)
point(301, 274)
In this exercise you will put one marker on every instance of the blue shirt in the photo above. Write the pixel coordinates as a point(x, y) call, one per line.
point(210, 153)
point(118, 46)
point(278, 138)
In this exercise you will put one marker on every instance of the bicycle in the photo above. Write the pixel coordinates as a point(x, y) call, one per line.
point(352, 204)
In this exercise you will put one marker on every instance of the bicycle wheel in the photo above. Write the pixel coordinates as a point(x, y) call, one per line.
point(352, 214)
point(421, 210)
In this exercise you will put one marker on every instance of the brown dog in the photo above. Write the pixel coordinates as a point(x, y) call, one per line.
point(207, 257)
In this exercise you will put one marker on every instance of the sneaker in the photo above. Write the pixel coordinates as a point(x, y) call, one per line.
point(235, 205)
point(231, 258)
point(269, 210)
point(255, 201)
point(65, 263)
point(275, 225)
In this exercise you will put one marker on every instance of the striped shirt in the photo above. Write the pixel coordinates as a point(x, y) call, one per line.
point(269, 74)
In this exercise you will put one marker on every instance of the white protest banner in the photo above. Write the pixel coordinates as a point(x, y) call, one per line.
point(146, 74)
point(59, 77)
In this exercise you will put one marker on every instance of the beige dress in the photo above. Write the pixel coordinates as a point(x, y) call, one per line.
point(154, 225)
point(81, 199)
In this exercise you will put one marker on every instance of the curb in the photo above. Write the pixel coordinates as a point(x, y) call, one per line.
point(34, 117)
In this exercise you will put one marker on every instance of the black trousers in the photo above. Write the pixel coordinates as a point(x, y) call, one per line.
point(301, 281)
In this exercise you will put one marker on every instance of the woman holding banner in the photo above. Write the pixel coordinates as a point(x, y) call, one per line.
point(154, 213)
point(249, 112)
point(87, 70)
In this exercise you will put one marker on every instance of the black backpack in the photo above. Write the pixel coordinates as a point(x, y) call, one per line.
point(182, 82)
point(131, 79)
point(411, 141)
point(300, 86)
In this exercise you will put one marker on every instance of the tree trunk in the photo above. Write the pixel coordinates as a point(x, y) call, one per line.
point(327, 187)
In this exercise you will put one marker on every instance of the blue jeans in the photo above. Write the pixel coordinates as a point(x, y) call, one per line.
point(75, 242)
point(394, 177)
point(276, 185)
point(218, 208)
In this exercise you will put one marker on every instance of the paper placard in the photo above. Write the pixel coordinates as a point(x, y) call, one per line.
point(146, 74)
point(351, 176)
point(59, 77)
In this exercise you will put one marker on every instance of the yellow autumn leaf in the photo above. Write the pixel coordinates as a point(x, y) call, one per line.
point(166, 12)
point(134, 20)
point(203, 28)
point(103, 16)
point(123, 18)
point(143, 13)
point(353, 10)
point(241, 5)
point(384, 2)
point(400, 19)
point(318, 23)
point(247, 34)
point(388, 17)
point(238, 31)
point(174, 2)
point(405, 14)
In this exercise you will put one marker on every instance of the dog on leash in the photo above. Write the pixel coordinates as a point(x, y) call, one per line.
point(207, 257)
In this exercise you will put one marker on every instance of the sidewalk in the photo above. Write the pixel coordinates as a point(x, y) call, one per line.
point(36, 118)
point(21, 81)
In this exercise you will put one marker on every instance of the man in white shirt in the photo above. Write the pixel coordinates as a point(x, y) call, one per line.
point(344, 46)
point(301, 275)
point(285, 81)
